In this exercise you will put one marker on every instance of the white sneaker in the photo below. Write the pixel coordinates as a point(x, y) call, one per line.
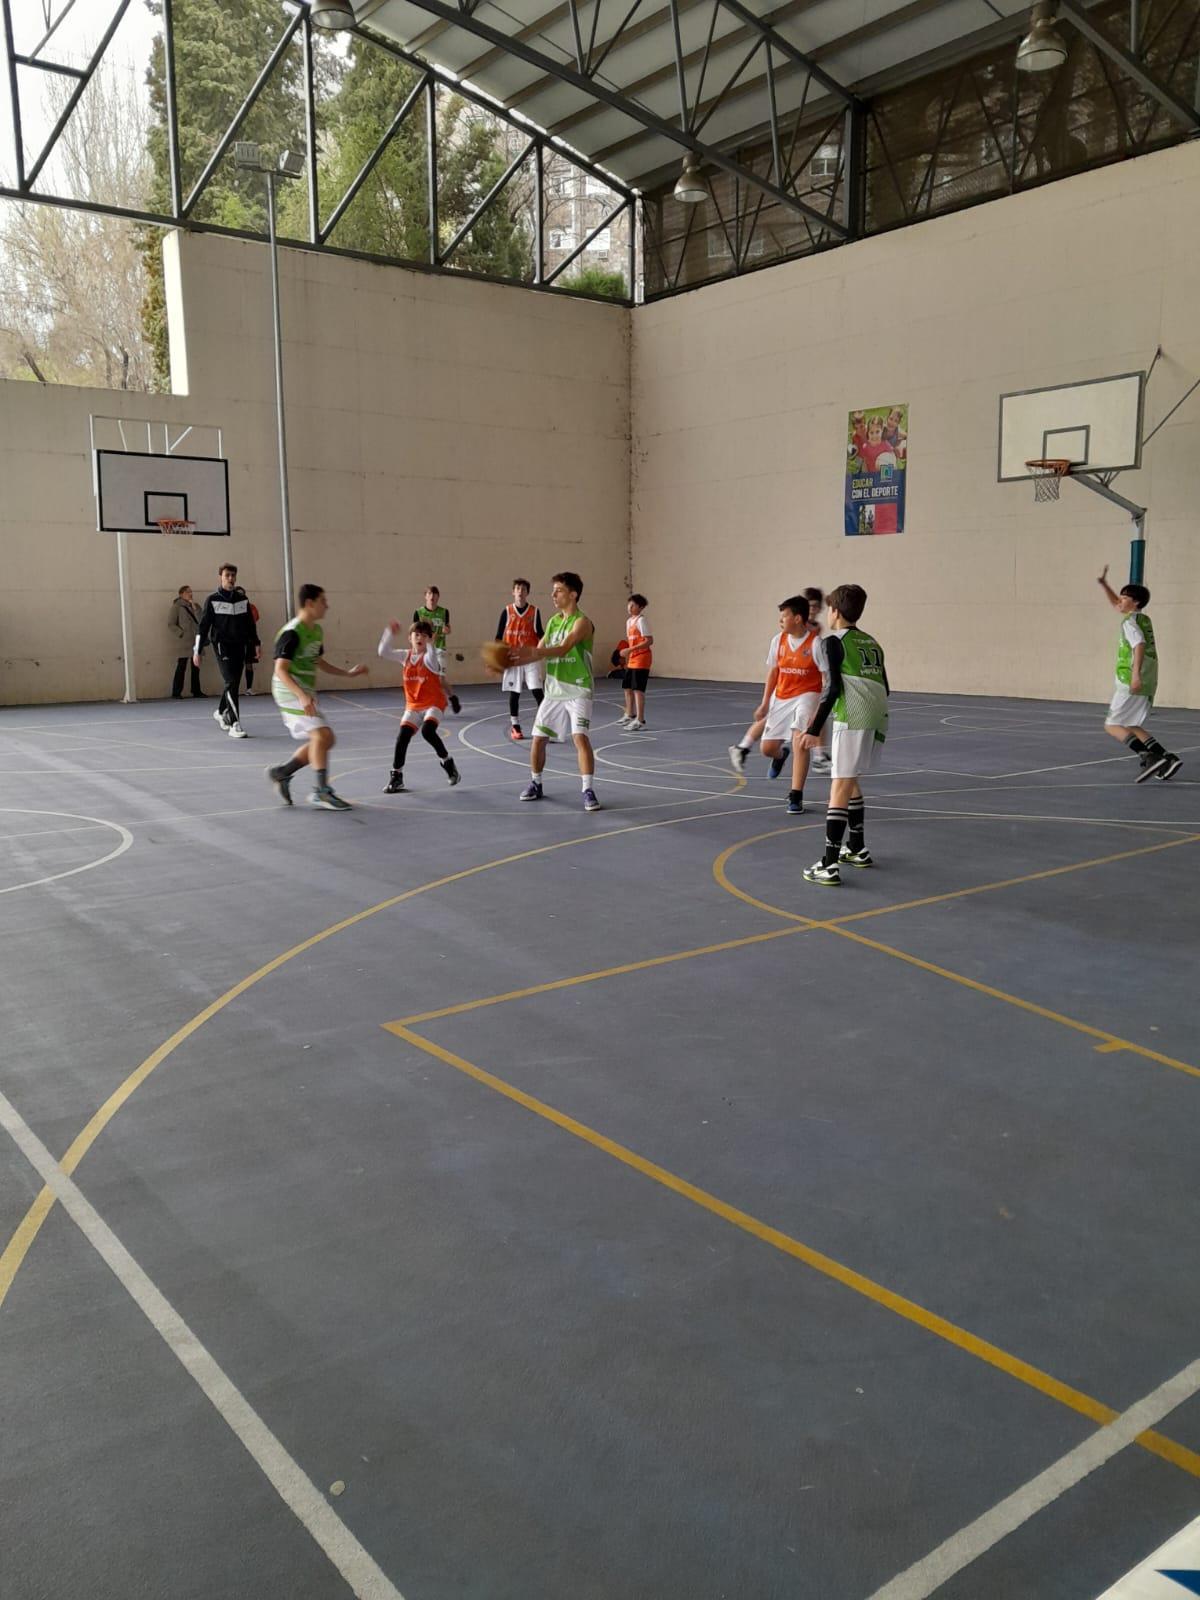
point(219, 717)
point(635, 726)
point(236, 731)
point(623, 722)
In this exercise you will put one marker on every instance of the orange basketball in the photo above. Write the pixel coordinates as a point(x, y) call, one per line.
point(495, 656)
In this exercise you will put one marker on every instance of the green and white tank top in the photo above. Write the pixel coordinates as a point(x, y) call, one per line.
point(437, 617)
point(303, 665)
point(1125, 650)
point(568, 677)
point(863, 700)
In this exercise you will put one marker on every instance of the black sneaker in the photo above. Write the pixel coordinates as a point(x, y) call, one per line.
point(453, 775)
point(395, 784)
point(1172, 767)
point(455, 705)
point(283, 783)
point(1156, 768)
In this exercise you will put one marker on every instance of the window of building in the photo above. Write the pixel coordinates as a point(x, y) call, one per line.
point(602, 243)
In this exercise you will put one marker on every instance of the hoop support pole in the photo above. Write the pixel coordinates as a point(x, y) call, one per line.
point(1137, 515)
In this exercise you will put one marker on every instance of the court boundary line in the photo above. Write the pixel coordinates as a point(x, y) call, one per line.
point(282, 1471)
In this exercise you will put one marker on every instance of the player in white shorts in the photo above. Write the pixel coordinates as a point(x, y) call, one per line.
point(1137, 682)
point(299, 653)
point(791, 694)
point(566, 648)
point(520, 624)
point(856, 697)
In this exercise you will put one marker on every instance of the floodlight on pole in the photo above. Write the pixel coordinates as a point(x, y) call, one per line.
point(1043, 48)
point(247, 156)
point(690, 188)
point(334, 16)
point(291, 164)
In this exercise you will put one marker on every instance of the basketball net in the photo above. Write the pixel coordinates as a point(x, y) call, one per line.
point(175, 525)
point(1047, 476)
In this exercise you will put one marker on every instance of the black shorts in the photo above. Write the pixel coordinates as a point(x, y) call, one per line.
point(635, 678)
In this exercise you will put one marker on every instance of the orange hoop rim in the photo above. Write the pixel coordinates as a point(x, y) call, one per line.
point(175, 525)
point(1050, 464)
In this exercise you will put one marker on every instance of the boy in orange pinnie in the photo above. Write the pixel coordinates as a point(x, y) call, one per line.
point(424, 698)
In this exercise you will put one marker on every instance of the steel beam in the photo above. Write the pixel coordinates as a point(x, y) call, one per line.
point(372, 161)
point(76, 94)
point(1131, 66)
point(629, 108)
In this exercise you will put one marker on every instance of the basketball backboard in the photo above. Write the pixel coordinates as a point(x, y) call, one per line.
point(1096, 425)
point(137, 488)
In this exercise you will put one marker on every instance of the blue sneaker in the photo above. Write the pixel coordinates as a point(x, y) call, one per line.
point(590, 803)
point(532, 791)
point(777, 765)
point(795, 805)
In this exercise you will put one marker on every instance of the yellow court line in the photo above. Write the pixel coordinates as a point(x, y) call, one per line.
point(909, 1310)
point(28, 1228)
point(720, 874)
point(837, 925)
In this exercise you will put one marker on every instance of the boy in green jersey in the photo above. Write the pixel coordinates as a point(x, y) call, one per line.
point(566, 648)
point(1137, 682)
point(299, 652)
point(438, 617)
point(856, 696)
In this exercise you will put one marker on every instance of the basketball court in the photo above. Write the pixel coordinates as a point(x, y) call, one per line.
point(818, 1228)
point(455, 1198)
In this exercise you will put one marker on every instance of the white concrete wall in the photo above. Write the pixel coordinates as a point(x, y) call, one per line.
point(740, 396)
point(439, 430)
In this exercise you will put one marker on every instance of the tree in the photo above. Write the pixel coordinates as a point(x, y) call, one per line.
point(596, 280)
point(71, 281)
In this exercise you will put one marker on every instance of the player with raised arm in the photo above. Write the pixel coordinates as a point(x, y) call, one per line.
point(1137, 682)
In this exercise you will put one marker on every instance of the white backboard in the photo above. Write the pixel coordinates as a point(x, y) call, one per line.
point(134, 489)
point(1095, 425)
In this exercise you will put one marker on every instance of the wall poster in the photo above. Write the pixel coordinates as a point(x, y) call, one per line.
point(876, 468)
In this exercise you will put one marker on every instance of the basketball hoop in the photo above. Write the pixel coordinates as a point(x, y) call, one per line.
point(175, 525)
point(1047, 475)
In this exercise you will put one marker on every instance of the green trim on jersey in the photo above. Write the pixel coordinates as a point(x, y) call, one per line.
point(303, 665)
point(1149, 660)
point(863, 700)
point(568, 677)
point(437, 618)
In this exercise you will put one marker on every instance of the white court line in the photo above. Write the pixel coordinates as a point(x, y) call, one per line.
point(285, 1476)
point(980, 1536)
point(1180, 1553)
point(1070, 766)
point(41, 833)
point(126, 841)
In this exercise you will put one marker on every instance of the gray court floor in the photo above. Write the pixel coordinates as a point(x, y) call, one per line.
point(476, 1199)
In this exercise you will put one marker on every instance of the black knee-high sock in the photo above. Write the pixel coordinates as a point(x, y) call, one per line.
point(538, 696)
point(1145, 745)
point(855, 814)
point(403, 740)
point(514, 706)
point(835, 831)
point(430, 734)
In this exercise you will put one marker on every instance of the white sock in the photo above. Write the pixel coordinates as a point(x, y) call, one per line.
point(745, 744)
point(586, 779)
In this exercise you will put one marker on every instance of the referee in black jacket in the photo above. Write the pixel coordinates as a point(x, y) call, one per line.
point(227, 622)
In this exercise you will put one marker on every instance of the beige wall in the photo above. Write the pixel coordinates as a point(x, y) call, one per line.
point(439, 430)
point(740, 395)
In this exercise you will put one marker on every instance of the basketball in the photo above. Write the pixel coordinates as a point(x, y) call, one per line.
point(495, 656)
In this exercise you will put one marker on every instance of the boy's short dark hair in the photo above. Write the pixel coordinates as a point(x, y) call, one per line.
point(521, 583)
point(849, 601)
point(423, 628)
point(183, 586)
point(815, 597)
point(639, 600)
point(797, 603)
point(309, 592)
point(227, 566)
point(572, 581)
point(432, 588)
point(1138, 592)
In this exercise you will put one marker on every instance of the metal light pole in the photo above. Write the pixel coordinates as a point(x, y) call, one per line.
point(289, 166)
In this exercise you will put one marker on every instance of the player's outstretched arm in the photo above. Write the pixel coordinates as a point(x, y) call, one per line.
point(1111, 594)
point(388, 648)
